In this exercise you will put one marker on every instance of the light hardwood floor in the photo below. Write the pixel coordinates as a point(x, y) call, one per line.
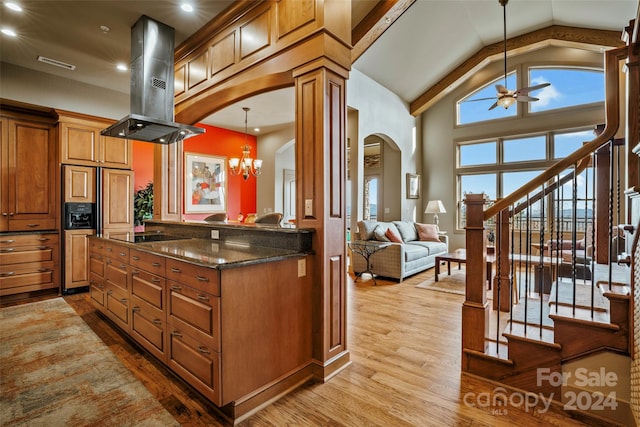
point(405, 351)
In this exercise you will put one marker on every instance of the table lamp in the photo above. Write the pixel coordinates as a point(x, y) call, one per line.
point(435, 207)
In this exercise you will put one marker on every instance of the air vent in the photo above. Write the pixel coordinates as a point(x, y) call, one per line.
point(158, 83)
point(56, 63)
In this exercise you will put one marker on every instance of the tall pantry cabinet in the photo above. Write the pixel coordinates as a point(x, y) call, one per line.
point(29, 195)
point(97, 169)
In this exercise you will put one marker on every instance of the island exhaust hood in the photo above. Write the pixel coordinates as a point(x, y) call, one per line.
point(152, 80)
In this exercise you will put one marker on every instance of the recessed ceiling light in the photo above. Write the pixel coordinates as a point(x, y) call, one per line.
point(122, 67)
point(9, 32)
point(256, 129)
point(13, 6)
point(186, 7)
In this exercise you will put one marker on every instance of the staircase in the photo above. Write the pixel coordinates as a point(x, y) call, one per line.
point(559, 323)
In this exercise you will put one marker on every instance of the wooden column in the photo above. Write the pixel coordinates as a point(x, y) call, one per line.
point(603, 196)
point(167, 176)
point(320, 204)
point(503, 266)
point(475, 310)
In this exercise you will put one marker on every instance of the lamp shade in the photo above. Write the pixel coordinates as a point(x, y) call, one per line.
point(435, 207)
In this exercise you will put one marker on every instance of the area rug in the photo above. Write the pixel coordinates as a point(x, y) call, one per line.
point(55, 371)
point(454, 284)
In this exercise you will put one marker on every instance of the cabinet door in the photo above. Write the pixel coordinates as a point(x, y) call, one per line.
point(4, 175)
point(79, 184)
point(116, 152)
point(76, 261)
point(32, 176)
point(79, 143)
point(117, 199)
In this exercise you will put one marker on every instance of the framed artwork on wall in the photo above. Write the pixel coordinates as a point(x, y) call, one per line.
point(205, 183)
point(413, 186)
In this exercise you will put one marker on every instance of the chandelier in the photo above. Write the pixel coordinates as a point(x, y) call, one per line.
point(245, 165)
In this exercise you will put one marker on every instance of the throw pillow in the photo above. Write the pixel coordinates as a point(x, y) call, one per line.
point(427, 232)
point(379, 233)
point(407, 230)
point(392, 236)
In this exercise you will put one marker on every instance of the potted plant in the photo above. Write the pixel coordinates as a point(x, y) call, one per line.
point(143, 205)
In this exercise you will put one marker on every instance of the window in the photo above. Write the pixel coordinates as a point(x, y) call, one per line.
point(570, 87)
point(517, 161)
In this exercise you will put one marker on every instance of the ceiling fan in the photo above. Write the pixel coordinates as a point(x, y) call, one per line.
point(506, 97)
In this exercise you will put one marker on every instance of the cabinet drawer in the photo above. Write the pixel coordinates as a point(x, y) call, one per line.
point(196, 363)
point(194, 313)
point(117, 306)
point(117, 252)
point(117, 273)
point(25, 254)
point(97, 290)
point(26, 278)
point(148, 287)
point(96, 264)
point(97, 245)
point(148, 326)
point(201, 278)
point(14, 240)
point(152, 263)
point(32, 224)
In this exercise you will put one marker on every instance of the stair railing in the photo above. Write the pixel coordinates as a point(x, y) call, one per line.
point(520, 272)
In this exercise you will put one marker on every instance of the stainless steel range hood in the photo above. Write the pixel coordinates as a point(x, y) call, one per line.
point(152, 78)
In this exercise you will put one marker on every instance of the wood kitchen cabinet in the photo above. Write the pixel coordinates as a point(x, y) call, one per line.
point(96, 273)
point(117, 200)
point(79, 184)
point(28, 180)
point(82, 144)
point(29, 263)
point(76, 260)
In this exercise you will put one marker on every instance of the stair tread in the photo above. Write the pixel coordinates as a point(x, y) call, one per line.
point(532, 332)
point(586, 295)
point(615, 290)
point(620, 274)
point(582, 315)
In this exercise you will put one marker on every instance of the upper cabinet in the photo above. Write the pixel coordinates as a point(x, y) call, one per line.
point(28, 159)
point(82, 144)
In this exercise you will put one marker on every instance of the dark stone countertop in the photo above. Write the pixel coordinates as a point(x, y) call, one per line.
point(210, 253)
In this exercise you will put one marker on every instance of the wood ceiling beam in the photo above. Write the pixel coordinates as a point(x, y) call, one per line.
point(381, 17)
point(557, 35)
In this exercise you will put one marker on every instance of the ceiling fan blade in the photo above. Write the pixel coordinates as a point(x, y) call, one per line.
point(479, 99)
point(493, 106)
point(526, 90)
point(524, 98)
point(501, 89)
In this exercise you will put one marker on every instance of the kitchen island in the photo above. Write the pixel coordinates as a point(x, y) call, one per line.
point(229, 316)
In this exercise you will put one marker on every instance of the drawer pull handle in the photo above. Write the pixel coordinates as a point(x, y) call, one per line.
point(155, 280)
point(203, 350)
point(135, 258)
point(43, 269)
point(176, 288)
point(109, 292)
point(43, 239)
point(33, 225)
point(156, 264)
point(123, 266)
point(42, 248)
point(203, 297)
point(7, 249)
point(7, 241)
point(122, 253)
point(4, 214)
point(133, 272)
point(7, 274)
point(108, 261)
point(123, 300)
point(100, 285)
point(176, 270)
point(10, 213)
point(109, 249)
point(176, 334)
point(202, 278)
point(135, 309)
point(157, 322)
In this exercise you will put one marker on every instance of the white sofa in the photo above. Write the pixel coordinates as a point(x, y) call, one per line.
point(398, 260)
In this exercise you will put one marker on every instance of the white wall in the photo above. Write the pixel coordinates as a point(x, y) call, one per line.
point(380, 112)
point(440, 133)
point(269, 183)
point(35, 87)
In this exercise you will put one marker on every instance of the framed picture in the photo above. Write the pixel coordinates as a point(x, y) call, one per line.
point(413, 186)
point(205, 183)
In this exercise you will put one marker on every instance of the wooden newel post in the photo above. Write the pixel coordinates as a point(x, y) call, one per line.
point(475, 310)
point(502, 282)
